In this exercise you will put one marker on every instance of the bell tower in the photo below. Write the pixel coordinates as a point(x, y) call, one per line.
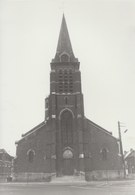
point(64, 107)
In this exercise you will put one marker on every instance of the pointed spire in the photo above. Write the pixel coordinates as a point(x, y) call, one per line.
point(64, 44)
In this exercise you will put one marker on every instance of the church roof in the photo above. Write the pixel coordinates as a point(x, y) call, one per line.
point(35, 129)
point(100, 128)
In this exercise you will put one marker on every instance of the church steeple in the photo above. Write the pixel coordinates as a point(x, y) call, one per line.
point(64, 46)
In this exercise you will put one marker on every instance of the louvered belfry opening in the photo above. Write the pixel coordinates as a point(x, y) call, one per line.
point(65, 81)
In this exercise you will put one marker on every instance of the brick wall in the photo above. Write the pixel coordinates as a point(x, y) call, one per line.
point(39, 142)
point(95, 140)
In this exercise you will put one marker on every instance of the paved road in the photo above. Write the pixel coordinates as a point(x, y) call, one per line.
point(93, 188)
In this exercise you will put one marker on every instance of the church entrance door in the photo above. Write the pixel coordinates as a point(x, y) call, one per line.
point(68, 167)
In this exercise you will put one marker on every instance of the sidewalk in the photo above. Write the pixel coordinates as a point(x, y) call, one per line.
point(90, 183)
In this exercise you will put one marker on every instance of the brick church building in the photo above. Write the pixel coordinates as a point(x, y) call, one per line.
point(66, 142)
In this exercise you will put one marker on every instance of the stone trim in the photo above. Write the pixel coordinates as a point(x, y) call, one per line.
point(64, 110)
point(53, 116)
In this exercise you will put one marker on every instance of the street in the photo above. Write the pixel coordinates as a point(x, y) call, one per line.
point(94, 188)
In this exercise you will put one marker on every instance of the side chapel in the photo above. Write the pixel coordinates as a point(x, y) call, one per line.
point(66, 142)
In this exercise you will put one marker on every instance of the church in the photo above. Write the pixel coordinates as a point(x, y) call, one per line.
point(66, 143)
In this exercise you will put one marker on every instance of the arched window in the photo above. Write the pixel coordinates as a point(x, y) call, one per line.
point(67, 128)
point(104, 154)
point(67, 154)
point(31, 154)
point(64, 58)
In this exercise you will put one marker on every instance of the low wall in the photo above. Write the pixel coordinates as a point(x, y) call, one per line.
point(3, 178)
point(131, 176)
point(104, 175)
point(33, 177)
point(96, 175)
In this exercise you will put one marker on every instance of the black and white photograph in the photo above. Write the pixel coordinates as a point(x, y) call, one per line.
point(67, 97)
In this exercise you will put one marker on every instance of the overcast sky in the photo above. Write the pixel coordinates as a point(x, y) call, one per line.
point(102, 34)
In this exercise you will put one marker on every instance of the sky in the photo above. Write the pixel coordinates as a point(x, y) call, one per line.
point(102, 34)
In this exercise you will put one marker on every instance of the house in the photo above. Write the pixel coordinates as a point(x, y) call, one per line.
point(130, 161)
point(6, 164)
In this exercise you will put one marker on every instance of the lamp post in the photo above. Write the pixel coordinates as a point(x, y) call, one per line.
point(121, 148)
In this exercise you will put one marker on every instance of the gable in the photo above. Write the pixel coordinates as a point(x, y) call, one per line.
point(32, 132)
point(98, 128)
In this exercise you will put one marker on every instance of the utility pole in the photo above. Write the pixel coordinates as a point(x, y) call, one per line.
point(121, 148)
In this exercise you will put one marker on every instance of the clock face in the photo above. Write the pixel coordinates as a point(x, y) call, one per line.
point(67, 154)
